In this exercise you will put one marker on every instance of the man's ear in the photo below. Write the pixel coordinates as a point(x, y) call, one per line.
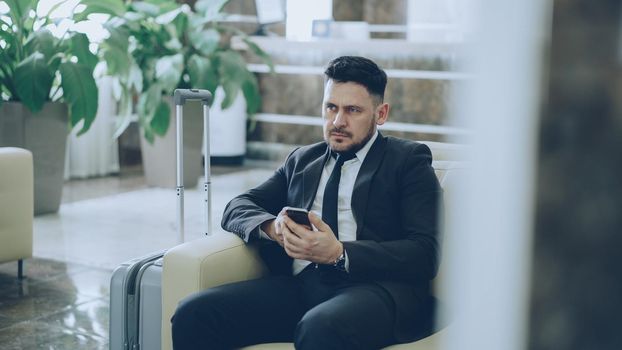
point(382, 113)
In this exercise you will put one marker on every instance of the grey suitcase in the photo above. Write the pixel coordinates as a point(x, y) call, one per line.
point(136, 286)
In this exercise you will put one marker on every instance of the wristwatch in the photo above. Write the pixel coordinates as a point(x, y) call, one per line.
point(340, 262)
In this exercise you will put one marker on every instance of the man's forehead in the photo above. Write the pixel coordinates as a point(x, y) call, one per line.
point(345, 90)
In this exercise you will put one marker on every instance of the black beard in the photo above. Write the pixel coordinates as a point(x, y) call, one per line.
point(356, 146)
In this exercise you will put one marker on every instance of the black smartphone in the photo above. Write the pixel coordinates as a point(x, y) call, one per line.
point(299, 215)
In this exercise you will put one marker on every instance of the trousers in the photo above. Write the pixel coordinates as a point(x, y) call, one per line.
point(316, 309)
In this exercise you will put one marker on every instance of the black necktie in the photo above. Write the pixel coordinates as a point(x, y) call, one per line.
point(331, 192)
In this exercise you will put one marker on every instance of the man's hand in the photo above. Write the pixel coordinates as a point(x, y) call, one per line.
point(319, 246)
point(273, 228)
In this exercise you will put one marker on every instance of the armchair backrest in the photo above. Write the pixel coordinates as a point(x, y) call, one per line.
point(450, 165)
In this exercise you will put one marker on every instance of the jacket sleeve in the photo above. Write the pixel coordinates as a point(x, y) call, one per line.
point(413, 255)
point(244, 213)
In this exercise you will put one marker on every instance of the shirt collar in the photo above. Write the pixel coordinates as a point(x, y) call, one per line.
point(362, 153)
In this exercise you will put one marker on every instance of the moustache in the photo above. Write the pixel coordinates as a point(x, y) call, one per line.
point(339, 131)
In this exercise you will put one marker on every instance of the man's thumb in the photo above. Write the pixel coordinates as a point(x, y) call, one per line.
point(317, 222)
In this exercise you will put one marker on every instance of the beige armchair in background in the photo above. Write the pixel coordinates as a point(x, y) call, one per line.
point(225, 258)
point(16, 205)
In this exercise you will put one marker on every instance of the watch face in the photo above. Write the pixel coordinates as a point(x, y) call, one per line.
point(340, 264)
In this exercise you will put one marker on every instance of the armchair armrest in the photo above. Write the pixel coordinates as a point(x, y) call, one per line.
point(203, 263)
point(16, 204)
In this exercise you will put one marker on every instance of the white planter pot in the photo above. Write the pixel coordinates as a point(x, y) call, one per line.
point(228, 129)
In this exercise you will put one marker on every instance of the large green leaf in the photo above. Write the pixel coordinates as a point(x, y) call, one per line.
point(148, 69)
point(147, 103)
point(80, 49)
point(43, 41)
point(117, 61)
point(250, 89)
point(111, 7)
point(124, 113)
point(161, 119)
point(169, 31)
point(119, 34)
point(205, 41)
point(181, 23)
point(168, 71)
point(259, 52)
point(202, 73)
point(6, 57)
point(231, 65)
point(233, 73)
point(148, 133)
point(148, 110)
point(8, 38)
point(231, 93)
point(115, 48)
point(18, 9)
point(33, 81)
point(169, 16)
point(80, 92)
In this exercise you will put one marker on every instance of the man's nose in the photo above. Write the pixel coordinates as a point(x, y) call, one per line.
point(340, 120)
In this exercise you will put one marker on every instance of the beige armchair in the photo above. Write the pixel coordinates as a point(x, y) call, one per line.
point(16, 205)
point(224, 258)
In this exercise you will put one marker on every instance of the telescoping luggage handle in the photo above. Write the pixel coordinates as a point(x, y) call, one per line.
point(180, 96)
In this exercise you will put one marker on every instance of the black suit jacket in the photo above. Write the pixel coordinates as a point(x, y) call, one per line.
point(395, 203)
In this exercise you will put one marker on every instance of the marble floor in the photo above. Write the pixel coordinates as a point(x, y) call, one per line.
point(63, 303)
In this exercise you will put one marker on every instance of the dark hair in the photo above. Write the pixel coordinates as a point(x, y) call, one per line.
point(358, 70)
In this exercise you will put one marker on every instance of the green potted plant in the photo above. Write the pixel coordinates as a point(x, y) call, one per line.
point(156, 46)
point(46, 85)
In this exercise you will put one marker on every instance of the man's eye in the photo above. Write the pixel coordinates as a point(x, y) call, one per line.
point(353, 110)
point(331, 108)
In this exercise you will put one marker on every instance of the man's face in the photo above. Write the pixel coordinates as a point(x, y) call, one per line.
point(350, 116)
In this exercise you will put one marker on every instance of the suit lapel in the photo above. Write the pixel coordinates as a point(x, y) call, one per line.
point(360, 192)
point(311, 179)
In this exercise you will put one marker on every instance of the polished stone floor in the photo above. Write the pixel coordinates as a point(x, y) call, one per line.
point(63, 303)
point(59, 305)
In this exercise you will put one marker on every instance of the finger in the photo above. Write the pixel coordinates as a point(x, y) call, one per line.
point(293, 239)
point(278, 227)
point(301, 231)
point(294, 255)
point(287, 231)
point(291, 226)
point(279, 222)
point(298, 244)
point(318, 223)
point(279, 237)
point(295, 251)
point(288, 235)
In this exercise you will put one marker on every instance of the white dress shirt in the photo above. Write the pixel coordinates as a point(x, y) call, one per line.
point(345, 219)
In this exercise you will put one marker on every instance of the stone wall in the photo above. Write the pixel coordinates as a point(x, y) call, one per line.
point(373, 12)
point(412, 100)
